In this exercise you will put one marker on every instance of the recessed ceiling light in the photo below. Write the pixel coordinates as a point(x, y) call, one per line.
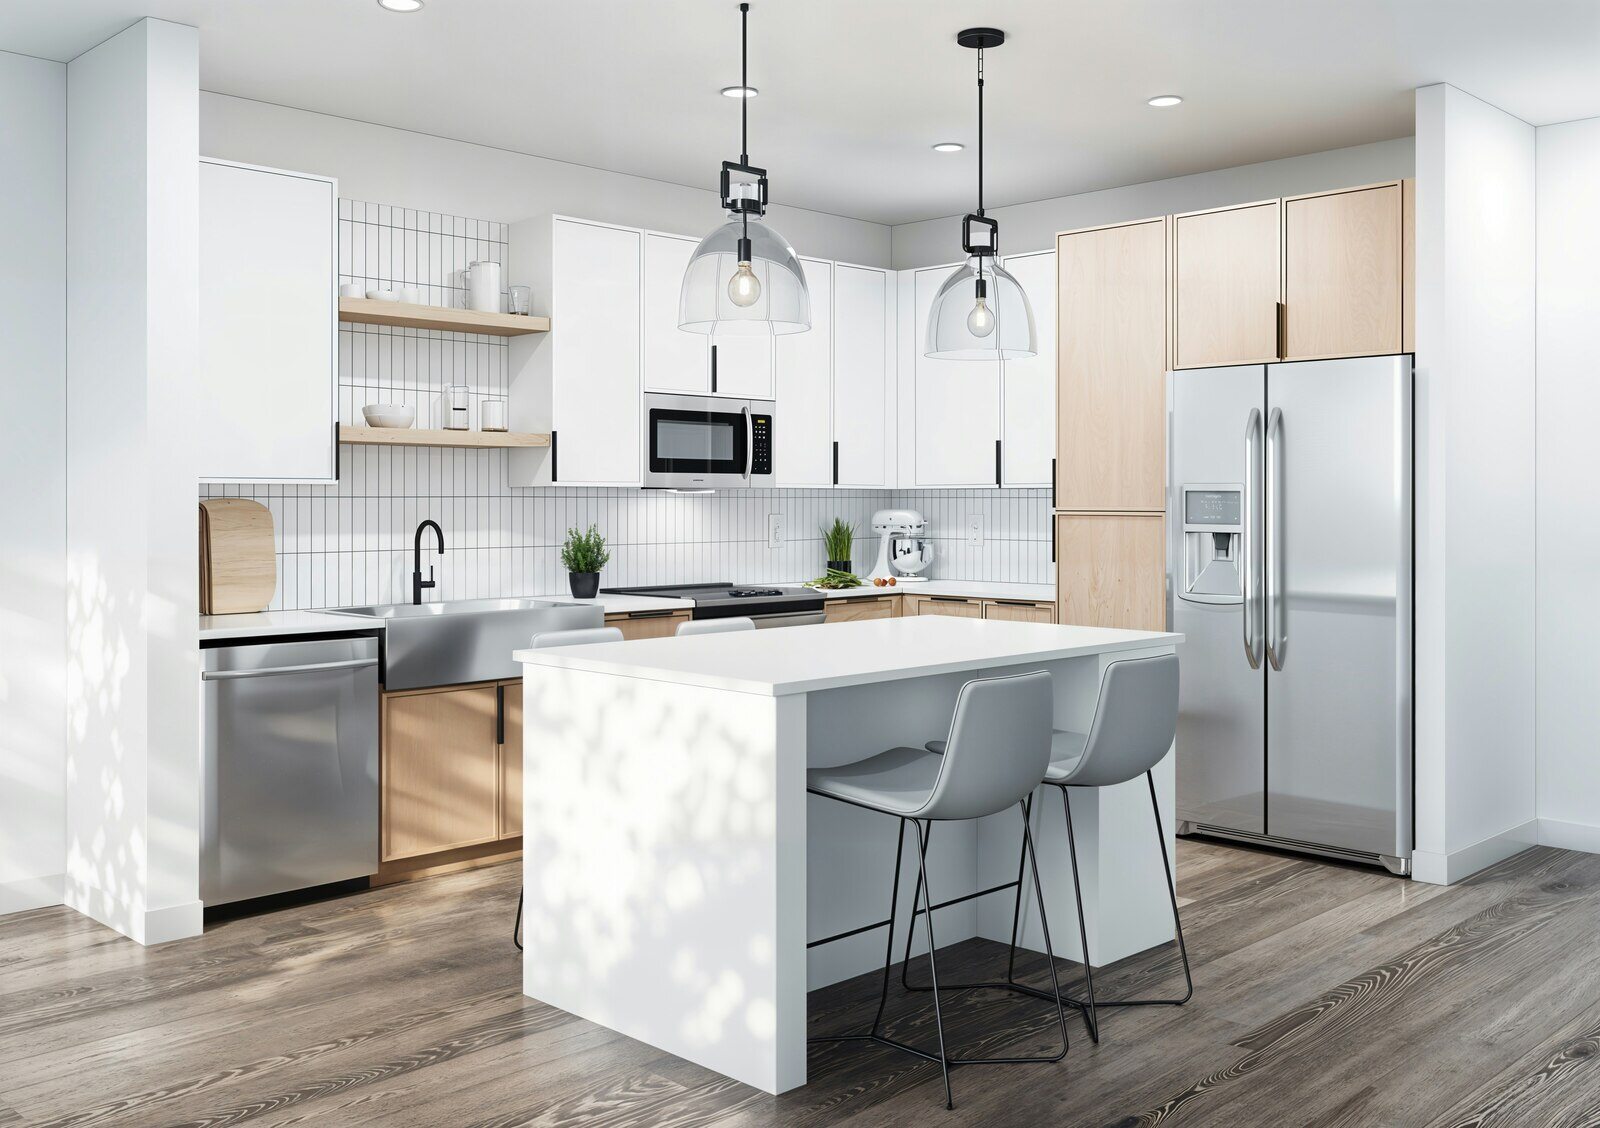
point(400, 5)
point(1161, 101)
point(739, 91)
point(948, 147)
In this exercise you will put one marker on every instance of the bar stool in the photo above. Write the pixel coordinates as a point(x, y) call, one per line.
point(716, 626)
point(998, 749)
point(543, 641)
point(1135, 721)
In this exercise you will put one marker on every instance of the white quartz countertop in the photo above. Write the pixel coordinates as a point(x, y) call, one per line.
point(266, 623)
point(971, 589)
point(827, 656)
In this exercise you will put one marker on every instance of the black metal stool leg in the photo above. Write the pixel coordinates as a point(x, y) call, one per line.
point(1172, 894)
point(516, 929)
point(894, 905)
point(1090, 1019)
point(933, 968)
point(911, 929)
point(1044, 923)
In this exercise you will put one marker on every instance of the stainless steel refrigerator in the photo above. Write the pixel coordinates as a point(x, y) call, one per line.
point(1289, 566)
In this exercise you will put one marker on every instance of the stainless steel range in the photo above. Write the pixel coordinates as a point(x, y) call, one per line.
point(768, 606)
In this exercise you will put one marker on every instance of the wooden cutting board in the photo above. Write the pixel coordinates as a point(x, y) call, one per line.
point(239, 569)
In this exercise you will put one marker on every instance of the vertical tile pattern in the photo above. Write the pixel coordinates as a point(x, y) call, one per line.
point(351, 543)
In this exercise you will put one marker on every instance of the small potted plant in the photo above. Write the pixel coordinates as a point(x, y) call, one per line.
point(839, 539)
point(584, 554)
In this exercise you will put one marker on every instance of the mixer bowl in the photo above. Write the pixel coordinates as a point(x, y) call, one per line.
point(910, 555)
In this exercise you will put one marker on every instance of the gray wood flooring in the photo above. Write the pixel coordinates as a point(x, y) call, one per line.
point(1325, 995)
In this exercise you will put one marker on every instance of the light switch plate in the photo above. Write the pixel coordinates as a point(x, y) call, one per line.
point(974, 528)
point(774, 530)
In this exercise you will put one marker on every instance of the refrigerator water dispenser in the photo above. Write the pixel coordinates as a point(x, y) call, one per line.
point(1212, 523)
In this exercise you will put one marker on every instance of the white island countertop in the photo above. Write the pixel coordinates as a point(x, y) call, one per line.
point(827, 656)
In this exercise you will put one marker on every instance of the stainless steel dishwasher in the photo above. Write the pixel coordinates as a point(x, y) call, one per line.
point(291, 766)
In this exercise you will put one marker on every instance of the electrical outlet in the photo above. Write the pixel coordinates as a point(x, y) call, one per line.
point(774, 530)
point(974, 528)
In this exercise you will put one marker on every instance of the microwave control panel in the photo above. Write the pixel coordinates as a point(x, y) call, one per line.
point(761, 455)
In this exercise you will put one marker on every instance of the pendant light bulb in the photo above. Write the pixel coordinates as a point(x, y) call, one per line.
point(980, 322)
point(744, 288)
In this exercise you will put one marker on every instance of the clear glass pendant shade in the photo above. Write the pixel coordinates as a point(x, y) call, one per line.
point(719, 296)
point(989, 322)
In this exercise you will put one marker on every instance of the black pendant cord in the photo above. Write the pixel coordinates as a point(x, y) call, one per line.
point(980, 160)
point(744, 122)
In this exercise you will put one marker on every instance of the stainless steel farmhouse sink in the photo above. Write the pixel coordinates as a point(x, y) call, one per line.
point(465, 640)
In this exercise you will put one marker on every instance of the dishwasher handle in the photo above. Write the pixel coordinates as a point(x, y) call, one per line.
point(274, 671)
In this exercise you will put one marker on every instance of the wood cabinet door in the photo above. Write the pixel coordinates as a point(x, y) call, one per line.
point(1111, 396)
point(1226, 285)
point(1111, 570)
point(1343, 262)
point(511, 761)
point(441, 771)
point(852, 610)
point(1017, 611)
point(648, 626)
point(951, 605)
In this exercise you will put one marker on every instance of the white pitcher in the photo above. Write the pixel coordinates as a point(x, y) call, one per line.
point(482, 280)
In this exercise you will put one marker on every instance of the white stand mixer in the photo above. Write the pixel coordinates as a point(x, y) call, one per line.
point(905, 549)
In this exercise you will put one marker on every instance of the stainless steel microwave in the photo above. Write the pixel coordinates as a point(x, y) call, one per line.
point(706, 442)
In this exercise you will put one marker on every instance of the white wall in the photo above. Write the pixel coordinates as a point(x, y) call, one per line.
point(1568, 544)
point(415, 170)
point(33, 249)
point(1475, 484)
point(1033, 226)
point(132, 300)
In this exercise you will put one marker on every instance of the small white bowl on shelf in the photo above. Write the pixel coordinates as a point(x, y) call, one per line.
point(392, 416)
point(383, 295)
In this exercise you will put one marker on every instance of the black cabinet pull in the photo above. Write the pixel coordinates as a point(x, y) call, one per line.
point(553, 475)
point(335, 450)
point(1052, 485)
point(997, 462)
point(713, 368)
point(499, 714)
point(836, 462)
point(949, 599)
point(650, 614)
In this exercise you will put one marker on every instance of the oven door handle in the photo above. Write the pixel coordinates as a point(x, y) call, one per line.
point(789, 619)
point(749, 442)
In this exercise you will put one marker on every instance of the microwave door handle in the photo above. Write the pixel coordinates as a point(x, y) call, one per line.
point(749, 442)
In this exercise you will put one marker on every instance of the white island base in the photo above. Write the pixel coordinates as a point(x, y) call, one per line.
point(674, 866)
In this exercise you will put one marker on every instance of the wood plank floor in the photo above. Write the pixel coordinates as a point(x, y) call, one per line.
point(1324, 995)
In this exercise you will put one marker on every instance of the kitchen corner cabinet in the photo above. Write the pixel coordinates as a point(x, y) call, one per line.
point(451, 768)
point(269, 329)
point(1111, 570)
point(580, 382)
point(1111, 394)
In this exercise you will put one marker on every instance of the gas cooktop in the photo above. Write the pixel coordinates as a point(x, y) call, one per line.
point(712, 601)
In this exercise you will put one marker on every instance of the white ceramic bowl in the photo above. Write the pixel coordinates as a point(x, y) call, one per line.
point(393, 415)
point(383, 295)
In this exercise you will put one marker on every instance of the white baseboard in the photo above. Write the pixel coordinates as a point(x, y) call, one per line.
point(1569, 835)
point(144, 926)
point(31, 893)
point(1458, 865)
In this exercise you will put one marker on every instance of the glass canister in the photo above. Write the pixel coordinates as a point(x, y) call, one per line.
point(458, 407)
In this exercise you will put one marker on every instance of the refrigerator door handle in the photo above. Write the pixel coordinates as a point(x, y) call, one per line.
point(1249, 547)
point(1277, 641)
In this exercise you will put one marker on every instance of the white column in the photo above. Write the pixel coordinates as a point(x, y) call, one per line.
point(132, 314)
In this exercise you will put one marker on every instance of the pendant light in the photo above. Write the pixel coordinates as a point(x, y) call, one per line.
point(743, 277)
point(980, 313)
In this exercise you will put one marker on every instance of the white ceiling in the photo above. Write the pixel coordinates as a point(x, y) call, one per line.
point(853, 92)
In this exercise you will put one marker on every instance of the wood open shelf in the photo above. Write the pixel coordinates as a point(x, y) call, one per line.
point(396, 436)
point(369, 311)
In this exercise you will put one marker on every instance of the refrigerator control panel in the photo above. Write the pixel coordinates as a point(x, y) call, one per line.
point(1212, 523)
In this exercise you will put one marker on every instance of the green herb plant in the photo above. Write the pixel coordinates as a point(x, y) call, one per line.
point(584, 552)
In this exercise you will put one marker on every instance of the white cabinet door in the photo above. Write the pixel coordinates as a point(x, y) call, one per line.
point(741, 365)
point(268, 326)
point(803, 431)
point(957, 411)
point(595, 331)
point(674, 361)
point(1028, 387)
point(862, 356)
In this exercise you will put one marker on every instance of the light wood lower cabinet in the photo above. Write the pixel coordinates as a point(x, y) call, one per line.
point(441, 770)
point(648, 624)
point(1019, 611)
point(1111, 570)
point(954, 605)
point(511, 760)
point(861, 607)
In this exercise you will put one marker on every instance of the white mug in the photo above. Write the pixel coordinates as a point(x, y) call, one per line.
point(482, 281)
point(352, 290)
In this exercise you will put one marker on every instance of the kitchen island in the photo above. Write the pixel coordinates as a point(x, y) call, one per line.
point(674, 866)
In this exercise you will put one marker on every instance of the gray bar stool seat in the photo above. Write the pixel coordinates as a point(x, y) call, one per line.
point(997, 752)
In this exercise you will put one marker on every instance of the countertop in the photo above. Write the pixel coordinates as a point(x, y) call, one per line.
point(971, 589)
point(827, 656)
point(266, 623)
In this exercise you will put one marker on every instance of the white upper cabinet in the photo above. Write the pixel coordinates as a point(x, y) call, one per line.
point(741, 365)
point(956, 414)
point(1028, 387)
point(863, 358)
point(581, 381)
point(268, 344)
point(674, 361)
point(803, 431)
